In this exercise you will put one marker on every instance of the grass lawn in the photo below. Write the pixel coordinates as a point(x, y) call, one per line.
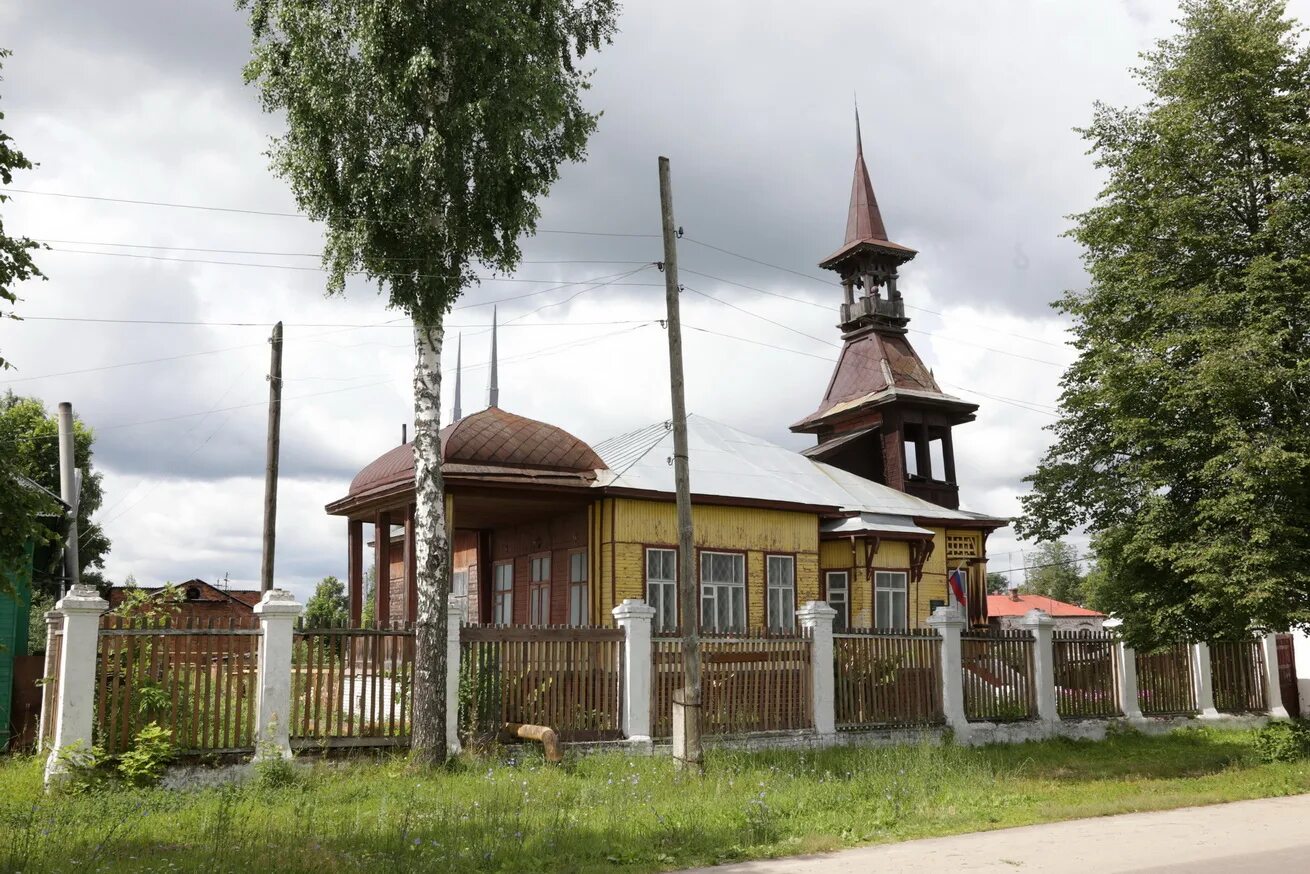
point(609, 812)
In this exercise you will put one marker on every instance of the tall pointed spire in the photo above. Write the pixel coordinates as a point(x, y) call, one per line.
point(455, 414)
point(864, 221)
point(493, 392)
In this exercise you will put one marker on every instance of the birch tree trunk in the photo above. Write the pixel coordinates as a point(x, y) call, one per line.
point(432, 552)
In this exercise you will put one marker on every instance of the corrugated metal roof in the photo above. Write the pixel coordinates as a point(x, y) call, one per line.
point(874, 522)
point(729, 463)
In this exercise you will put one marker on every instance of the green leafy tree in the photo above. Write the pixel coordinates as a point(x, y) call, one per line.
point(420, 133)
point(29, 439)
point(19, 506)
point(997, 584)
point(16, 264)
point(327, 607)
point(1053, 571)
point(1182, 443)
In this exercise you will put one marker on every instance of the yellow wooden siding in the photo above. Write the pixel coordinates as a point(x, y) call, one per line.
point(725, 527)
point(755, 531)
point(626, 526)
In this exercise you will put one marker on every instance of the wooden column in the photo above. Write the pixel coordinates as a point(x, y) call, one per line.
point(411, 567)
point(922, 455)
point(382, 567)
point(355, 568)
point(948, 454)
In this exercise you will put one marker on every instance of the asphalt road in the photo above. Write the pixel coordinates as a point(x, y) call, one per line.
point(1271, 834)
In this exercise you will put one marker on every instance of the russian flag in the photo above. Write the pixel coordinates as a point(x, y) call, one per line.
point(958, 580)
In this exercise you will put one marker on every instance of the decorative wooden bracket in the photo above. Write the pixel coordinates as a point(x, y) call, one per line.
point(920, 550)
point(872, 543)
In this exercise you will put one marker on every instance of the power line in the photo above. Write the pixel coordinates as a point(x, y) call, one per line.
point(131, 363)
point(551, 350)
point(318, 254)
point(691, 327)
point(304, 268)
point(820, 279)
point(830, 283)
point(265, 212)
point(390, 324)
point(760, 317)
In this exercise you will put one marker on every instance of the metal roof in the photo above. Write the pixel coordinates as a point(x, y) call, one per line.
point(728, 463)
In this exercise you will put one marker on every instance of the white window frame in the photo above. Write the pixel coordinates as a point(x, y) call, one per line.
point(539, 589)
point(579, 594)
point(723, 602)
point(502, 591)
point(780, 595)
point(891, 596)
point(662, 589)
point(841, 604)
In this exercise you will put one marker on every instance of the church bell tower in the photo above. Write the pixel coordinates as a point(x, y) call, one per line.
point(883, 416)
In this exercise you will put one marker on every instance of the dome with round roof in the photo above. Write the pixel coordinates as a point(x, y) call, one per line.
point(491, 438)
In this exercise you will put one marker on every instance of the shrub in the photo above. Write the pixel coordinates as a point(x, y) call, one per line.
point(84, 769)
point(274, 772)
point(1283, 741)
point(151, 752)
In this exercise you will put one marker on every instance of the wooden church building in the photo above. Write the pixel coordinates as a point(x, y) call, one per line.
point(550, 530)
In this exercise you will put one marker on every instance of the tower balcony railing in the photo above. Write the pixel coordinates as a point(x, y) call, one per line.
point(873, 306)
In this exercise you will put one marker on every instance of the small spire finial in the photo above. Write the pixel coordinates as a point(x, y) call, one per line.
point(455, 414)
point(859, 141)
point(493, 393)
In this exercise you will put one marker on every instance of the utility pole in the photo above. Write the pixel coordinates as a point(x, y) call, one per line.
point(270, 468)
point(69, 487)
point(687, 706)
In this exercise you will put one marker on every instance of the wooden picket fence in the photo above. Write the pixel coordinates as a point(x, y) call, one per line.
point(1164, 681)
point(352, 686)
point(887, 678)
point(997, 669)
point(566, 677)
point(196, 678)
point(1237, 674)
point(1087, 672)
point(751, 682)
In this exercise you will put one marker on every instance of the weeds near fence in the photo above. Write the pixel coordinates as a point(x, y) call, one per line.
point(608, 812)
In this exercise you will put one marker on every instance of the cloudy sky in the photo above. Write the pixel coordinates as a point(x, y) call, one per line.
point(968, 114)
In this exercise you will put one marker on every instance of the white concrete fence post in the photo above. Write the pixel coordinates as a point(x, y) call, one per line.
point(1042, 625)
point(816, 617)
point(636, 618)
point(1202, 681)
point(74, 709)
point(277, 612)
point(949, 624)
point(458, 615)
point(1129, 701)
point(1273, 685)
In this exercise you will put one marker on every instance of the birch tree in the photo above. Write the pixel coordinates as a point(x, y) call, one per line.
point(420, 133)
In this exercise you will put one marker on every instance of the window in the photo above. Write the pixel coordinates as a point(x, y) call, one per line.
point(662, 587)
point(503, 584)
point(838, 585)
point(459, 586)
point(781, 584)
point(579, 603)
point(891, 605)
point(722, 591)
point(539, 590)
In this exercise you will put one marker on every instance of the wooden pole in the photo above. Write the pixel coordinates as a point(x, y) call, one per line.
point(270, 466)
point(693, 758)
point(69, 492)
